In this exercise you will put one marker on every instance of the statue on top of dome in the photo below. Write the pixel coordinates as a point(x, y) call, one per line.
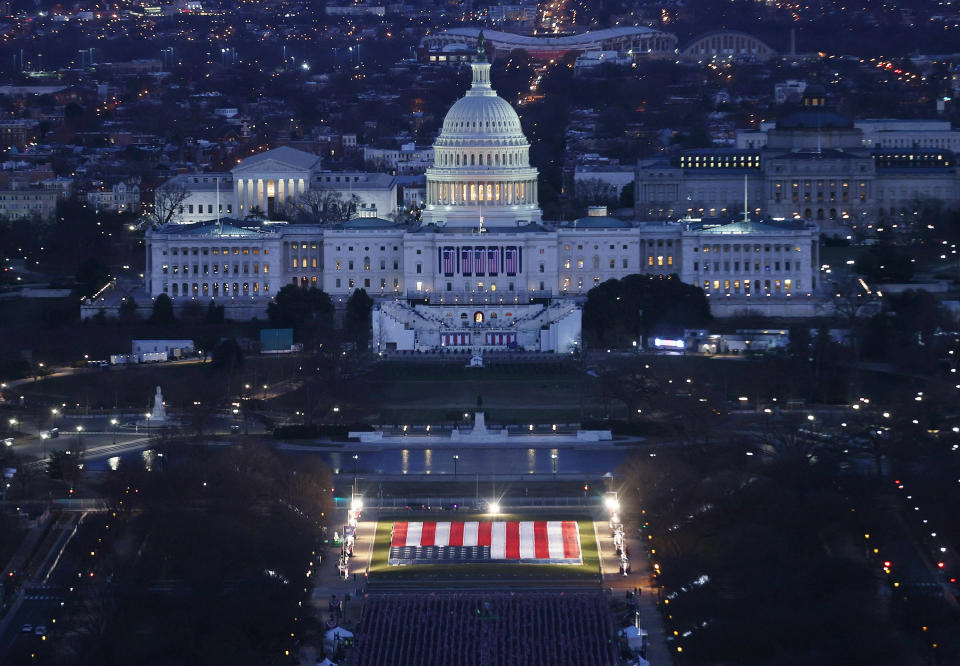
point(481, 48)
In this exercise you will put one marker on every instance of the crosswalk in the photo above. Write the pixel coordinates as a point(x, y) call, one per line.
point(43, 593)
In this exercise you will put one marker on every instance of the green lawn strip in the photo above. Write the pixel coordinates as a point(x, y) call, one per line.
point(480, 574)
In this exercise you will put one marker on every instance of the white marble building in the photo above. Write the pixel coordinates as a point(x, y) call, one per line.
point(483, 264)
point(274, 183)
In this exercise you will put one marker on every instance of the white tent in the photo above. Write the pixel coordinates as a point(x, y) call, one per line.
point(635, 636)
point(326, 662)
point(332, 636)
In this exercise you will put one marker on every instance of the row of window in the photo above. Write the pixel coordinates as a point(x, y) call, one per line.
point(715, 266)
point(366, 248)
point(209, 209)
point(350, 264)
point(748, 286)
point(352, 283)
point(613, 262)
point(206, 268)
point(204, 251)
point(492, 159)
point(726, 247)
point(214, 288)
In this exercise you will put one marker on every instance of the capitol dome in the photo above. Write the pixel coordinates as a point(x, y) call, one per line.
point(481, 164)
point(483, 114)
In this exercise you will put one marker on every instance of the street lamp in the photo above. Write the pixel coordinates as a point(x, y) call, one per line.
point(355, 458)
point(553, 459)
point(455, 459)
point(114, 423)
point(79, 432)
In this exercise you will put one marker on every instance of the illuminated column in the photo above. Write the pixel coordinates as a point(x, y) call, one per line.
point(280, 191)
point(239, 197)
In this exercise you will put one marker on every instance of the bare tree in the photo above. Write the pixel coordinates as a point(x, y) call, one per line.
point(786, 436)
point(853, 302)
point(593, 191)
point(167, 202)
point(321, 204)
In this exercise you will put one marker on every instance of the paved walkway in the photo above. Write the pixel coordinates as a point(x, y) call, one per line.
point(328, 582)
point(658, 652)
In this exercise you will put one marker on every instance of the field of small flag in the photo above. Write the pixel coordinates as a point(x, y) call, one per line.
point(477, 550)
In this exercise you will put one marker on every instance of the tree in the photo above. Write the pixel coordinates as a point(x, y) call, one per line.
point(167, 201)
point(162, 311)
point(594, 192)
point(228, 355)
point(294, 306)
point(92, 275)
point(617, 312)
point(885, 263)
point(128, 311)
point(799, 346)
point(359, 308)
point(214, 313)
point(321, 205)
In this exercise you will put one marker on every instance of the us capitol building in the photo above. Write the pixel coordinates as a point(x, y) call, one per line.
point(482, 269)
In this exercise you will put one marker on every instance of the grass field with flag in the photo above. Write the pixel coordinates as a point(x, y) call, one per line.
point(480, 573)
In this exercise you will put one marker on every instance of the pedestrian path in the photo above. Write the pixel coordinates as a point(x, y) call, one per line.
point(639, 580)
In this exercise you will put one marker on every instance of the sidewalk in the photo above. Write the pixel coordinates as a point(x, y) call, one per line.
point(658, 652)
point(327, 582)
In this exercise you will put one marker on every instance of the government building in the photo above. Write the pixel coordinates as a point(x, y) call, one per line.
point(482, 270)
point(813, 165)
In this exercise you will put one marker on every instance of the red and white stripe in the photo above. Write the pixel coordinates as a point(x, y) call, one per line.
point(508, 540)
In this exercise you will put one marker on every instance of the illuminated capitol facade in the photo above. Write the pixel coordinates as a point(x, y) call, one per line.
point(483, 269)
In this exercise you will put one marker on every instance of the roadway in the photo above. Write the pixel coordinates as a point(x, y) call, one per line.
point(39, 601)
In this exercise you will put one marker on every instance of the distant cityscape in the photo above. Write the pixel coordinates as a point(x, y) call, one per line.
point(558, 332)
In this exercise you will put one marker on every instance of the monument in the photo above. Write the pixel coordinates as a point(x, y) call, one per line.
point(159, 413)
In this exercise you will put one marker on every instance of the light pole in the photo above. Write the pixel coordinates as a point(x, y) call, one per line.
point(114, 423)
point(355, 458)
point(553, 459)
point(13, 426)
point(455, 459)
point(79, 441)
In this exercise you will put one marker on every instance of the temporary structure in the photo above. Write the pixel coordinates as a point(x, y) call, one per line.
point(635, 636)
point(333, 636)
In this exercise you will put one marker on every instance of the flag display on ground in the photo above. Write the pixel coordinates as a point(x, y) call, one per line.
point(534, 541)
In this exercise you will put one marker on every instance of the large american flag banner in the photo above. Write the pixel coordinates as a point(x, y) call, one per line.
point(512, 261)
point(449, 261)
point(538, 542)
point(479, 261)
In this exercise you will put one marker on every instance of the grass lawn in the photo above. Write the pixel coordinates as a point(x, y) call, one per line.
point(483, 574)
point(521, 393)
